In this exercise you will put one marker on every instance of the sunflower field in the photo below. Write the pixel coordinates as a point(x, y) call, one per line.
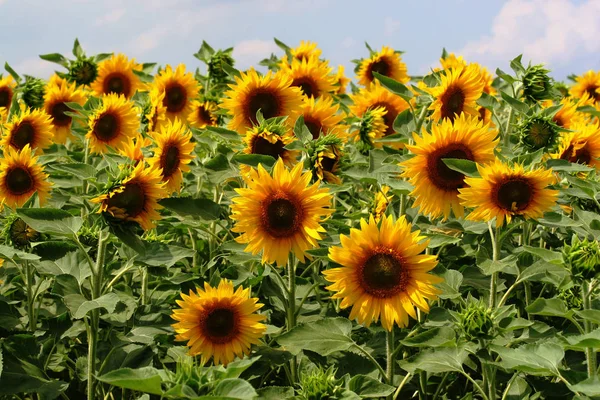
point(201, 232)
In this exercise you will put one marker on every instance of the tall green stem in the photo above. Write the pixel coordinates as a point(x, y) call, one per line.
point(144, 295)
point(590, 354)
point(31, 312)
point(291, 312)
point(507, 129)
point(97, 277)
point(493, 281)
point(389, 352)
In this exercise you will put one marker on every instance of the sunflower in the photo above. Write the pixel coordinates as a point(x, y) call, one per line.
point(327, 165)
point(115, 75)
point(155, 111)
point(568, 115)
point(322, 117)
point(55, 99)
point(341, 81)
point(587, 83)
point(7, 87)
point(312, 76)
point(203, 114)
point(435, 184)
point(272, 94)
point(377, 96)
point(180, 89)
point(280, 214)
point(113, 124)
point(21, 176)
point(56, 80)
point(219, 322)
point(31, 127)
point(581, 145)
point(505, 191)
point(173, 153)
point(458, 92)
point(305, 51)
point(132, 149)
point(385, 62)
point(370, 128)
point(270, 140)
point(382, 199)
point(452, 61)
point(383, 272)
point(136, 198)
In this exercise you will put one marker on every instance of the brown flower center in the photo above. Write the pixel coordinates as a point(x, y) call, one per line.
point(19, 181)
point(314, 127)
point(117, 83)
point(581, 156)
point(220, 325)
point(24, 134)
point(514, 194)
point(453, 101)
point(308, 86)
point(106, 128)
point(5, 96)
point(266, 102)
point(132, 199)
point(262, 146)
point(381, 67)
point(383, 276)
point(388, 118)
point(169, 160)
point(281, 216)
point(482, 111)
point(591, 91)
point(204, 115)
point(440, 174)
point(58, 114)
point(328, 164)
point(175, 98)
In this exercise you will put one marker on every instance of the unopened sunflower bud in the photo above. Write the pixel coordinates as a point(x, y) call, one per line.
point(538, 131)
point(320, 384)
point(477, 322)
point(537, 85)
point(215, 66)
point(582, 258)
point(83, 71)
point(33, 92)
point(19, 233)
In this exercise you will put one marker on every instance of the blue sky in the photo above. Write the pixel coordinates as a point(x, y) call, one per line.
point(564, 34)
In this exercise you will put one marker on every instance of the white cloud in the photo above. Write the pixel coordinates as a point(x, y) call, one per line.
point(549, 31)
point(35, 67)
point(390, 26)
point(110, 18)
point(250, 52)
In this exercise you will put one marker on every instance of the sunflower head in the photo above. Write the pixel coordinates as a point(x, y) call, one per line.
point(33, 91)
point(55, 99)
point(537, 85)
point(280, 213)
point(322, 117)
point(582, 258)
point(18, 233)
point(115, 75)
point(312, 76)
point(320, 383)
point(7, 91)
point(581, 145)
point(219, 323)
point(383, 273)
point(325, 157)
point(270, 138)
point(386, 62)
point(572, 297)
point(179, 88)
point(588, 83)
point(476, 321)
point(204, 113)
point(538, 132)
point(341, 81)
point(134, 148)
point(83, 71)
point(32, 128)
point(370, 127)
point(216, 70)
point(306, 50)
point(154, 112)
point(112, 124)
point(451, 60)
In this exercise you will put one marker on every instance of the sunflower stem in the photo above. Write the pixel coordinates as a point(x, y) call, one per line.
point(291, 312)
point(421, 119)
point(389, 357)
point(507, 128)
point(30, 296)
point(144, 294)
point(493, 281)
point(590, 354)
point(95, 314)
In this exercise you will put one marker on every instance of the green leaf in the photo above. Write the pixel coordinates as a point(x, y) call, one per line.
point(588, 387)
point(556, 220)
point(79, 306)
point(565, 166)
point(225, 133)
point(517, 66)
point(163, 255)
point(301, 131)
point(10, 253)
point(550, 308)
point(254, 159)
point(550, 256)
point(205, 52)
point(51, 220)
point(517, 105)
point(325, 336)
point(436, 337)
point(368, 387)
point(235, 388)
point(405, 123)
point(489, 267)
point(509, 79)
point(443, 359)
point(146, 379)
point(534, 359)
point(487, 101)
point(275, 393)
point(206, 209)
point(80, 170)
point(282, 45)
point(394, 86)
point(15, 76)
point(466, 167)
point(73, 263)
point(55, 58)
point(217, 163)
point(127, 235)
point(589, 315)
point(544, 272)
point(581, 342)
point(77, 50)
point(451, 286)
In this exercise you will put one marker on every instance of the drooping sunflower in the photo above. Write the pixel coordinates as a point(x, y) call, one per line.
point(219, 322)
point(136, 198)
point(272, 94)
point(581, 145)
point(436, 186)
point(587, 83)
point(31, 127)
point(203, 114)
point(322, 117)
point(311, 75)
point(270, 140)
point(113, 124)
point(377, 96)
point(504, 192)
point(115, 75)
point(385, 62)
point(173, 153)
point(341, 81)
point(383, 272)
point(21, 176)
point(457, 93)
point(281, 213)
point(55, 99)
point(180, 89)
point(370, 128)
point(7, 87)
point(327, 165)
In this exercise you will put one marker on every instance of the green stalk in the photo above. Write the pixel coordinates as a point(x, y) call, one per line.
point(97, 273)
point(507, 129)
point(144, 294)
point(389, 353)
point(493, 281)
point(30, 296)
point(291, 312)
point(590, 354)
